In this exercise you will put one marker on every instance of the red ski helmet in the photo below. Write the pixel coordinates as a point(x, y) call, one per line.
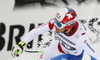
point(65, 17)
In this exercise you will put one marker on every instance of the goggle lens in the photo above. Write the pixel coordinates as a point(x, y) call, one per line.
point(61, 25)
point(58, 24)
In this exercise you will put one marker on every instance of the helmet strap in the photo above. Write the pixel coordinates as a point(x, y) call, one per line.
point(64, 31)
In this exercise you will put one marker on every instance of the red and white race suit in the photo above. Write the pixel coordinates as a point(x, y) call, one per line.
point(73, 43)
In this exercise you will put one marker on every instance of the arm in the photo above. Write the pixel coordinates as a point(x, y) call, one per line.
point(35, 32)
point(87, 47)
point(39, 30)
point(18, 49)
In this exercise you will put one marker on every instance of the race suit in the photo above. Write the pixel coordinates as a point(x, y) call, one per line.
point(73, 44)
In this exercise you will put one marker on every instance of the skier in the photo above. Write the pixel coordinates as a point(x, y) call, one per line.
point(71, 34)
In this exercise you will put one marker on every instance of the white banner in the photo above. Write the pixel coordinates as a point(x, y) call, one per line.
point(17, 19)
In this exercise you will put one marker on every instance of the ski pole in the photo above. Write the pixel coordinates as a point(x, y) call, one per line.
point(33, 51)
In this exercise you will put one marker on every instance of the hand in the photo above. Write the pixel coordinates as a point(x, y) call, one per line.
point(18, 49)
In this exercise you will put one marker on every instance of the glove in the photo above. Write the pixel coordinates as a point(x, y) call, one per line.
point(18, 49)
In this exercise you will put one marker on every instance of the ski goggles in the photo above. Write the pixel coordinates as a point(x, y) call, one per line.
point(61, 25)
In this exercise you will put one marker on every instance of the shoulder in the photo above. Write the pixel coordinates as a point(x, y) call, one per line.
point(51, 24)
point(81, 29)
point(81, 26)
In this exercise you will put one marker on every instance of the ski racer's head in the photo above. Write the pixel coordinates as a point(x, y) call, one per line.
point(65, 18)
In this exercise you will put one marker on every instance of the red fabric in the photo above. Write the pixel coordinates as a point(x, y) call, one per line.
point(82, 33)
point(51, 24)
point(60, 49)
point(41, 56)
point(75, 27)
point(69, 27)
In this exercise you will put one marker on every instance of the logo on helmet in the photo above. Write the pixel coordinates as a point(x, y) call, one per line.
point(58, 16)
point(69, 15)
point(69, 8)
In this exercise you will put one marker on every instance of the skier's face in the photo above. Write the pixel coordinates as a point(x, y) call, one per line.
point(62, 29)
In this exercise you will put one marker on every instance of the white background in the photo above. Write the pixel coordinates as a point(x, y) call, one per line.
point(37, 14)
